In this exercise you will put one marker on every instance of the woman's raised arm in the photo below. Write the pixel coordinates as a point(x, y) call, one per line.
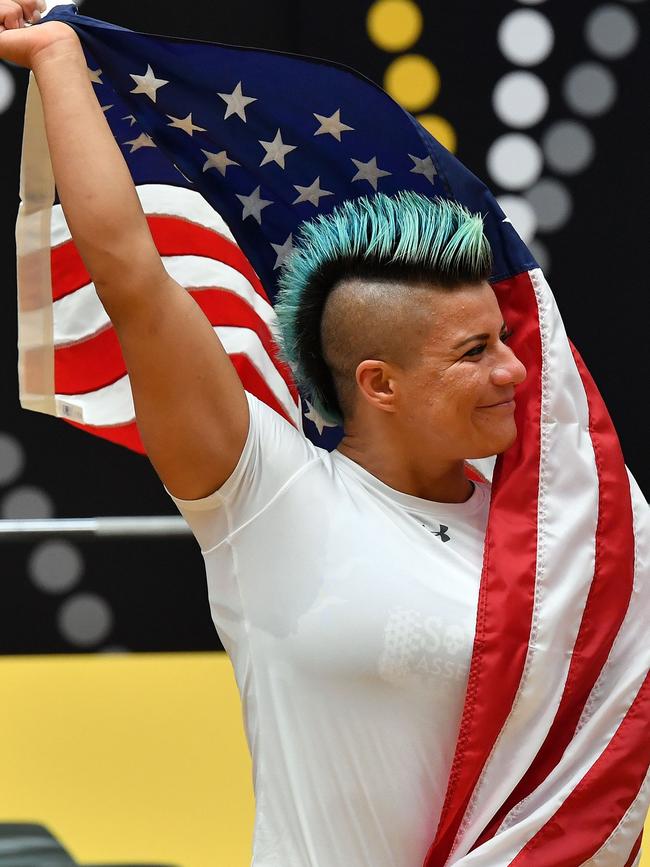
point(190, 405)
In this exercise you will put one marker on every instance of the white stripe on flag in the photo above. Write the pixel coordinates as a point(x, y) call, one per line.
point(113, 404)
point(197, 272)
point(81, 314)
point(110, 405)
point(158, 199)
point(247, 342)
point(78, 316)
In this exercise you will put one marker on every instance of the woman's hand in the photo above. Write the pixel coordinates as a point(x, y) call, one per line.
point(22, 44)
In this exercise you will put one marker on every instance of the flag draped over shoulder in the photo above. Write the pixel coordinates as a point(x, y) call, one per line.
point(230, 150)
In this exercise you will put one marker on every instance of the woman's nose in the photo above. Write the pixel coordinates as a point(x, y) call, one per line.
point(510, 370)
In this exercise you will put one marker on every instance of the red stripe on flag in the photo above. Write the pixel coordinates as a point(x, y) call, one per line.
point(254, 382)
point(225, 308)
point(473, 474)
point(172, 236)
point(607, 602)
point(508, 579)
point(97, 362)
point(129, 436)
point(91, 364)
point(68, 270)
point(596, 806)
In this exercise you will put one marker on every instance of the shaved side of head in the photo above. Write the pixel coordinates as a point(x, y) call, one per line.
point(372, 319)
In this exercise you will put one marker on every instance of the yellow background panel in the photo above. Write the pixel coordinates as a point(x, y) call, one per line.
point(129, 758)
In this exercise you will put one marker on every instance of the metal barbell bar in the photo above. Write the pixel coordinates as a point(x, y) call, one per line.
point(93, 528)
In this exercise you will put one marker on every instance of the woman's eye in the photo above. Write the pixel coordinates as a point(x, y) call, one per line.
point(478, 349)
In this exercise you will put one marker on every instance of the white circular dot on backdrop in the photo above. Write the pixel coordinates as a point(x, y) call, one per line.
point(12, 459)
point(521, 215)
point(514, 161)
point(552, 204)
point(525, 37)
point(7, 88)
point(611, 31)
point(85, 619)
point(540, 252)
point(590, 89)
point(520, 99)
point(568, 147)
point(26, 502)
point(55, 566)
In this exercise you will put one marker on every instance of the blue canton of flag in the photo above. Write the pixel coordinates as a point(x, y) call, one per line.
point(269, 140)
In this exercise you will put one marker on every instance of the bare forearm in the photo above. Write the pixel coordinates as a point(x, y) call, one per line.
point(94, 184)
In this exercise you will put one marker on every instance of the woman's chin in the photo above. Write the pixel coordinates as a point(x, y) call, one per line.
point(497, 442)
point(507, 440)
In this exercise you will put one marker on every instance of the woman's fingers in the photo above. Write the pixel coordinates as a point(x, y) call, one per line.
point(16, 13)
point(11, 14)
point(32, 10)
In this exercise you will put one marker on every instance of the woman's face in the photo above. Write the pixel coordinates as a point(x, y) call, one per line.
point(447, 393)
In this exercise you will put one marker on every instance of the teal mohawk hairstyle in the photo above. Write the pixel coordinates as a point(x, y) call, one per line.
point(407, 237)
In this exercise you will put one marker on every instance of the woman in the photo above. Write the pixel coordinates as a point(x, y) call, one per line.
point(344, 586)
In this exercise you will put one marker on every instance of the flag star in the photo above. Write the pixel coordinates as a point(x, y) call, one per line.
point(218, 161)
point(369, 171)
point(236, 102)
point(106, 107)
point(95, 75)
point(130, 118)
point(316, 418)
point(312, 193)
point(332, 125)
point(253, 205)
point(276, 150)
point(283, 251)
point(142, 141)
point(185, 124)
point(424, 167)
point(147, 83)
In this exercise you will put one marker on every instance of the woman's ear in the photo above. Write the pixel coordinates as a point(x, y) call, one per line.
point(377, 383)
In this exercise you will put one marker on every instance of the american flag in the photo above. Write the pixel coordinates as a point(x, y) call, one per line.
point(230, 150)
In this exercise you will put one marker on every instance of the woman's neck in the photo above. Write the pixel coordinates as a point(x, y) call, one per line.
point(440, 481)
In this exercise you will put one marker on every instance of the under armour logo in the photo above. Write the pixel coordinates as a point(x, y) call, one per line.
point(442, 533)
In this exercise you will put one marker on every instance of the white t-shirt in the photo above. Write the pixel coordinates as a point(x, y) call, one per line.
point(348, 611)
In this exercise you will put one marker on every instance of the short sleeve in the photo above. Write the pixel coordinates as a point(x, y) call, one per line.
point(274, 452)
